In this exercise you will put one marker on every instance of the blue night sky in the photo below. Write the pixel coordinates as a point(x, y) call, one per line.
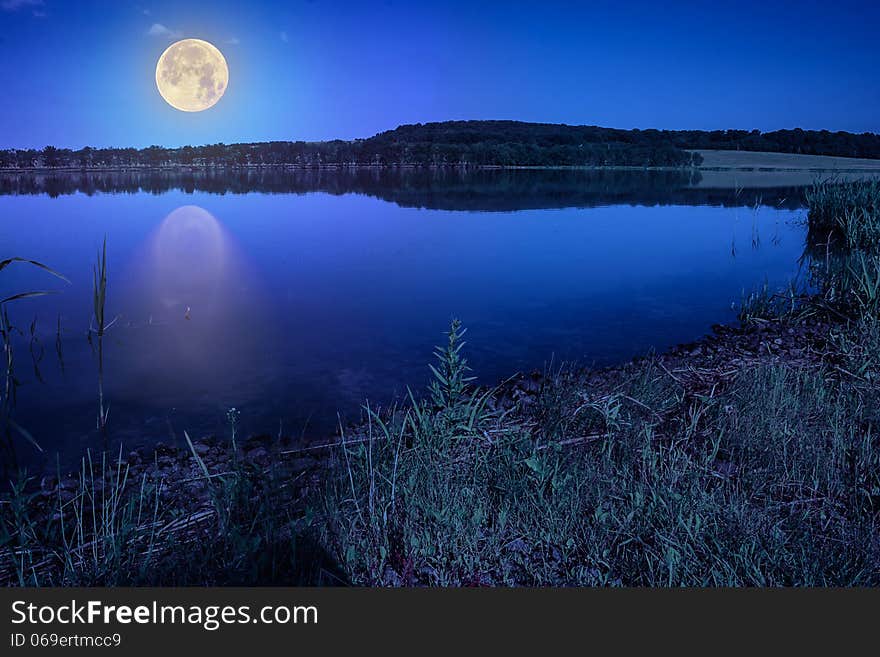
point(82, 73)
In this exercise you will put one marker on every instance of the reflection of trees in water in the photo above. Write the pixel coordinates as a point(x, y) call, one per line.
point(434, 188)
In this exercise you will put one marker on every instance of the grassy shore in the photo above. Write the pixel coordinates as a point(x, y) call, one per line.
point(748, 458)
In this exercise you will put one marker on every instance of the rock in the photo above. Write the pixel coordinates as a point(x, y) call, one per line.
point(258, 454)
point(164, 450)
point(530, 386)
point(201, 448)
point(256, 441)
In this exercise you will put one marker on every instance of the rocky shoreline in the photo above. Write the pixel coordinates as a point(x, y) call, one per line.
point(708, 362)
point(699, 366)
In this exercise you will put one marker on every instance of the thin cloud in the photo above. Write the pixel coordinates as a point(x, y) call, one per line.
point(234, 41)
point(284, 37)
point(15, 5)
point(159, 30)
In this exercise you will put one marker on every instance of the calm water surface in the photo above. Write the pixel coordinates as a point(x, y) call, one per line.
point(299, 296)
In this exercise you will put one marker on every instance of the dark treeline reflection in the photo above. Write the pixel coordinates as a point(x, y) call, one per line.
point(431, 188)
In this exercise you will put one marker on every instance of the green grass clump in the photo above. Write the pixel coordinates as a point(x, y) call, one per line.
point(774, 482)
point(850, 211)
point(105, 528)
point(764, 305)
point(841, 257)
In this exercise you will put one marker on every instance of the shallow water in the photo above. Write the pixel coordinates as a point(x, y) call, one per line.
point(294, 296)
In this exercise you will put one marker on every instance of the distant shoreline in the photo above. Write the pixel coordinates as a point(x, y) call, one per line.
point(332, 167)
point(713, 160)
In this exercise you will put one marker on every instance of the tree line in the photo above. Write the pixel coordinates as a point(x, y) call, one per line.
point(466, 143)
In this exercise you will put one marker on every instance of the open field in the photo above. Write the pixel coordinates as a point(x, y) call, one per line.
point(784, 161)
point(744, 169)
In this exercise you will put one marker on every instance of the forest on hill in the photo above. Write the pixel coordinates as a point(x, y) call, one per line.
point(467, 143)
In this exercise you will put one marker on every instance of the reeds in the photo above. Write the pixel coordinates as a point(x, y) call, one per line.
point(101, 528)
point(10, 382)
point(34, 293)
point(99, 296)
point(848, 211)
point(105, 526)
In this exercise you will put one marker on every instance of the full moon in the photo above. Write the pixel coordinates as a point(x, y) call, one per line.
point(192, 75)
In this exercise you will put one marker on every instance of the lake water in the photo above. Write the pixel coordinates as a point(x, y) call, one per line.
point(294, 296)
